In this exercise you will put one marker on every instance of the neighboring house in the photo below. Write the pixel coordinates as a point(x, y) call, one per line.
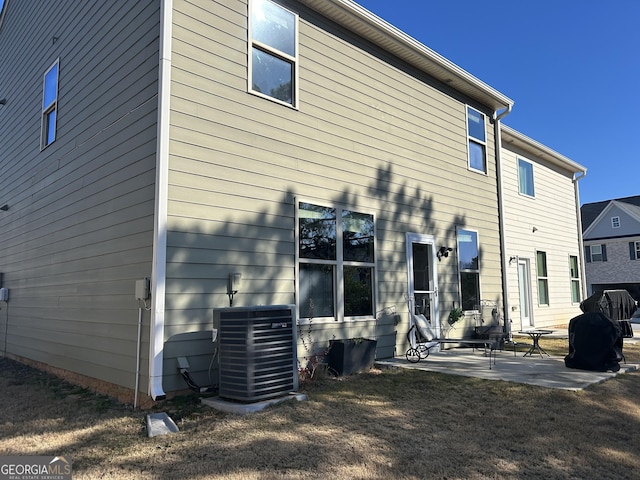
point(611, 231)
point(542, 234)
point(330, 159)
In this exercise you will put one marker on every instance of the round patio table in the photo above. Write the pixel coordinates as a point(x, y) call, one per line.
point(535, 335)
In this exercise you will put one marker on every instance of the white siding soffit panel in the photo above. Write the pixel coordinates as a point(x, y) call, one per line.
point(369, 26)
point(515, 138)
point(158, 274)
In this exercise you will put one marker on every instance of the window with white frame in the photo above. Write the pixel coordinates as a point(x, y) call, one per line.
point(469, 268)
point(477, 140)
point(634, 250)
point(525, 178)
point(50, 105)
point(615, 222)
point(574, 272)
point(335, 262)
point(596, 253)
point(543, 279)
point(273, 61)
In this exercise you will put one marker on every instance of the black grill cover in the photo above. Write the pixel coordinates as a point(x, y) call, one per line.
point(595, 343)
point(615, 304)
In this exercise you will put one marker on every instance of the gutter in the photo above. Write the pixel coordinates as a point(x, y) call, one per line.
point(583, 274)
point(158, 269)
point(505, 283)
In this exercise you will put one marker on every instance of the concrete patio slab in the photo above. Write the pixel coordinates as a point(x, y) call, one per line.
point(547, 372)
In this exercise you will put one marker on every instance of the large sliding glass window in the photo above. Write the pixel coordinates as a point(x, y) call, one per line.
point(469, 266)
point(335, 262)
point(273, 56)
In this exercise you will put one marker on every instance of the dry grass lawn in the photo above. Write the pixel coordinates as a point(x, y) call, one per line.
point(386, 424)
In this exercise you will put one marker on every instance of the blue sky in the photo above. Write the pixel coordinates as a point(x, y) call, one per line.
point(571, 66)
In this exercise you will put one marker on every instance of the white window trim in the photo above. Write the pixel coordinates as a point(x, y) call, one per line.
point(468, 270)
point(276, 53)
point(615, 222)
point(636, 244)
point(476, 140)
point(339, 277)
point(599, 245)
point(46, 109)
point(532, 178)
point(545, 278)
point(575, 279)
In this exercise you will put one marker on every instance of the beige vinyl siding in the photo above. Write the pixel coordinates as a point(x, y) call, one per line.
point(553, 212)
point(79, 230)
point(371, 135)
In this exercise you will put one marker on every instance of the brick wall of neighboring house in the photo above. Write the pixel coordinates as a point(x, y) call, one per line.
point(619, 268)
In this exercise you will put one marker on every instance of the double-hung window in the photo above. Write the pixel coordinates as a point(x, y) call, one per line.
point(596, 253)
point(634, 250)
point(543, 279)
point(575, 279)
point(273, 63)
point(469, 267)
point(525, 178)
point(477, 140)
point(49, 105)
point(335, 262)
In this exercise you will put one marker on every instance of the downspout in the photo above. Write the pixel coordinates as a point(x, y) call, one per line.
point(505, 284)
point(583, 274)
point(158, 269)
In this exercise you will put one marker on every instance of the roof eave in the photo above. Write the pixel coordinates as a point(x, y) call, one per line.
point(513, 137)
point(366, 24)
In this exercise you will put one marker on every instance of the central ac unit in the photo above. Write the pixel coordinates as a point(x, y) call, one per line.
point(257, 352)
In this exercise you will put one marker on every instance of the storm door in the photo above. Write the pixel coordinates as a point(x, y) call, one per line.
point(422, 277)
point(524, 287)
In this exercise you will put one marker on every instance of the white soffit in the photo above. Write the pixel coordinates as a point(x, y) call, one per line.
point(369, 26)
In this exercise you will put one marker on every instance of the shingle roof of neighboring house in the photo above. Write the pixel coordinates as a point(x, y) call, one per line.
point(590, 211)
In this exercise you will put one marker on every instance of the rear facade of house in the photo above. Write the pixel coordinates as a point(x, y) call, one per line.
point(306, 145)
point(545, 267)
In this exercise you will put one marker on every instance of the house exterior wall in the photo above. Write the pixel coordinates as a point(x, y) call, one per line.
point(618, 269)
point(79, 229)
point(552, 212)
point(370, 133)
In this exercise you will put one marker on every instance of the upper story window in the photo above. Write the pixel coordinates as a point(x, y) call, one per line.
point(336, 262)
point(595, 253)
point(634, 250)
point(615, 222)
point(50, 105)
point(477, 140)
point(469, 266)
point(543, 279)
point(273, 63)
point(525, 178)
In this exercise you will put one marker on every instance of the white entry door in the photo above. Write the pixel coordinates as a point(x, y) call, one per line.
point(423, 277)
point(524, 287)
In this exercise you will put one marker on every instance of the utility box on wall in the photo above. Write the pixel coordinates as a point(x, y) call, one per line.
point(257, 352)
